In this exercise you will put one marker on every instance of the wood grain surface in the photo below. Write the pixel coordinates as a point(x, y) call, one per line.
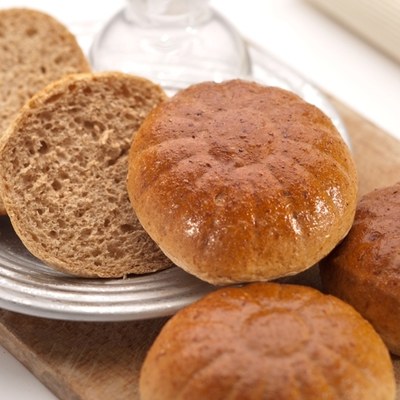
point(101, 361)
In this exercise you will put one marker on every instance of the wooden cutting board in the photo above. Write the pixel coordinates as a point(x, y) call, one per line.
point(101, 361)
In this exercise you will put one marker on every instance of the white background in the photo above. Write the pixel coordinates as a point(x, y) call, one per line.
point(318, 48)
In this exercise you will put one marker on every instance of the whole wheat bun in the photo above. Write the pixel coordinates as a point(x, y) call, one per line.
point(63, 167)
point(365, 269)
point(237, 182)
point(35, 50)
point(267, 342)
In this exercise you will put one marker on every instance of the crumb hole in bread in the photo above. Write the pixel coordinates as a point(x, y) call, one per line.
point(40, 211)
point(72, 87)
point(56, 129)
point(97, 263)
point(63, 175)
point(95, 127)
point(43, 147)
point(53, 234)
point(56, 185)
point(109, 116)
point(85, 232)
point(112, 162)
point(61, 223)
point(87, 91)
point(61, 155)
point(34, 237)
point(48, 126)
point(100, 126)
point(126, 228)
point(43, 69)
point(59, 59)
point(27, 178)
point(53, 98)
point(95, 252)
point(79, 213)
point(44, 115)
point(106, 222)
point(124, 91)
point(139, 100)
point(88, 125)
point(100, 232)
point(130, 116)
point(114, 250)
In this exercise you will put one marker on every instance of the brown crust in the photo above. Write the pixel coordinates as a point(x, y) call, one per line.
point(35, 49)
point(267, 341)
point(365, 269)
point(240, 182)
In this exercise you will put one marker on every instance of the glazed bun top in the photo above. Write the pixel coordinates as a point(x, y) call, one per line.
point(268, 341)
point(240, 182)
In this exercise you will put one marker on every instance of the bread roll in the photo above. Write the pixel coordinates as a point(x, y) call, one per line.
point(237, 182)
point(63, 167)
point(365, 269)
point(35, 50)
point(267, 342)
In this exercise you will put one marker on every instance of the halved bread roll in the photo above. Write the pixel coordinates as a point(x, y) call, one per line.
point(35, 50)
point(63, 167)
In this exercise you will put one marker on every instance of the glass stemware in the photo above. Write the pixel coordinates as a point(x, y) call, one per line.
point(173, 42)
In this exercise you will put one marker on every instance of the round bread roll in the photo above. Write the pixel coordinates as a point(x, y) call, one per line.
point(365, 269)
point(237, 182)
point(267, 341)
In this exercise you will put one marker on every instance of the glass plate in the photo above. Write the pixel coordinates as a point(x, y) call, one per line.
point(28, 286)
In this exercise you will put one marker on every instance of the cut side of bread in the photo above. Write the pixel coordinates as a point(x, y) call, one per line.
point(35, 50)
point(63, 174)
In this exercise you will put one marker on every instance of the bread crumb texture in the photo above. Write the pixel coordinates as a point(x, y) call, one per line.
point(268, 342)
point(63, 175)
point(35, 50)
point(239, 182)
point(364, 270)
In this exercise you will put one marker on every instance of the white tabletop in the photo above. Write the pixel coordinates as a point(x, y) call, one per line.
point(318, 48)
